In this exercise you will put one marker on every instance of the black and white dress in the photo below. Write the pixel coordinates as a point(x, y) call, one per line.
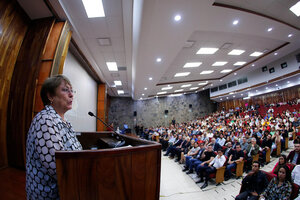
point(48, 133)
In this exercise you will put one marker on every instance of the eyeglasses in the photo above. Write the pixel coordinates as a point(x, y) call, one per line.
point(67, 90)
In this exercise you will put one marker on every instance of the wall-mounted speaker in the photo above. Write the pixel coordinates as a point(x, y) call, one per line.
point(134, 113)
point(272, 70)
point(190, 106)
point(166, 112)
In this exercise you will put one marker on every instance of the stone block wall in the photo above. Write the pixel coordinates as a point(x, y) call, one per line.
point(159, 111)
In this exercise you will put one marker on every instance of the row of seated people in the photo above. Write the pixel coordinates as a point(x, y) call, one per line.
point(201, 158)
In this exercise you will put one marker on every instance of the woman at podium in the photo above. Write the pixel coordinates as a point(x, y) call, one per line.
point(49, 132)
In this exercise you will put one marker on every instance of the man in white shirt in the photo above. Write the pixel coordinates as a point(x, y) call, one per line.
point(296, 175)
point(216, 163)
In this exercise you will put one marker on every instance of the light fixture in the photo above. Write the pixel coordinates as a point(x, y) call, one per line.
point(207, 72)
point(226, 71)
point(235, 22)
point(226, 97)
point(206, 50)
point(143, 94)
point(93, 8)
point(221, 80)
point(275, 54)
point(236, 52)
point(180, 90)
point(267, 88)
point(235, 73)
point(141, 98)
point(118, 83)
point(112, 66)
point(270, 29)
point(256, 54)
point(296, 9)
point(290, 35)
point(192, 64)
point(276, 85)
point(145, 88)
point(186, 85)
point(194, 88)
point(241, 94)
point(158, 60)
point(231, 92)
point(177, 18)
point(288, 82)
point(162, 93)
point(175, 95)
point(221, 99)
point(253, 65)
point(211, 84)
point(120, 91)
point(233, 96)
point(219, 63)
point(203, 83)
point(150, 78)
point(182, 74)
point(166, 88)
point(239, 63)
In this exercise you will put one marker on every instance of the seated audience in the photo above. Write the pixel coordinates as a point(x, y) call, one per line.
point(251, 150)
point(279, 187)
point(190, 161)
point(296, 175)
point(253, 184)
point(207, 157)
point(294, 156)
point(282, 161)
point(234, 157)
point(214, 144)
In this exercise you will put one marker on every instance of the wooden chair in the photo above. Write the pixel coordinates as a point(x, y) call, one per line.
point(268, 155)
point(255, 157)
point(239, 168)
point(286, 145)
point(278, 149)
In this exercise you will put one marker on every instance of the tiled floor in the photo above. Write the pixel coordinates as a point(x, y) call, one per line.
point(177, 185)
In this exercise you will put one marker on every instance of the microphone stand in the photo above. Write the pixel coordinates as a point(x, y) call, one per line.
point(114, 133)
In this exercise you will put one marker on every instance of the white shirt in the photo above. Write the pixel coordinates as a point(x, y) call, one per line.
point(296, 174)
point(218, 162)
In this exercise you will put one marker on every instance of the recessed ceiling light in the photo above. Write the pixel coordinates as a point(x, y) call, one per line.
point(235, 73)
point(166, 88)
point(112, 66)
point(236, 52)
point(226, 97)
point(256, 53)
point(290, 35)
point(207, 72)
point(226, 71)
point(219, 63)
point(175, 95)
point(256, 90)
point(158, 60)
point(296, 9)
point(192, 64)
point(211, 84)
point(118, 83)
point(233, 96)
point(221, 80)
point(145, 88)
point(150, 78)
point(221, 99)
point(275, 53)
point(177, 18)
point(141, 98)
point(239, 63)
point(180, 90)
point(162, 92)
point(186, 85)
point(93, 8)
point(241, 94)
point(203, 83)
point(266, 88)
point(143, 94)
point(276, 85)
point(270, 29)
point(182, 74)
point(231, 92)
point(288, 81)
point(235, 22)
point(207, 50)
point(120, 91)
point(194, 88)
point(253, 65)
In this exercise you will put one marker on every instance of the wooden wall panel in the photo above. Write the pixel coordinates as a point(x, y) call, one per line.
point(13, 26)
point(22, 90)
point(274, 97)
point(101, 107)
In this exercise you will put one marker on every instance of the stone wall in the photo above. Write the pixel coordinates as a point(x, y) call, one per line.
point(159, 111)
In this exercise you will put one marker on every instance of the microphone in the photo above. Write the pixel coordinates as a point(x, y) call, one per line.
point(114, 133)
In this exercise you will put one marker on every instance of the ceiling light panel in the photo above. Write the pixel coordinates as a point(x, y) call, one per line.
point(226, 71)
point(256, 54)
point(220, 63)
point(93, 8)
point(207, 50)
point(120, 91)
point(118, 83)
point(203, 83)
point(180, 74)
point(239, 63)
point(186, 85)
point(296, 9)
point(112, 66)
point(180, 90)
point(192, 64)
point(194, 88)
point(162, 92)
point(167, 88)
point(236, 52)
point(207, 72)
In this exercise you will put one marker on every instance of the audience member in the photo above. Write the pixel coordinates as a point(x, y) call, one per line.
point(294, 156)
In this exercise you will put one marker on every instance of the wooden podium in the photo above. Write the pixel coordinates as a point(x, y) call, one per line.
point(130, 172)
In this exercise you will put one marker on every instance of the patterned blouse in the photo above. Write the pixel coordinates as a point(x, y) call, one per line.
point(48, 133)
point(275, 192)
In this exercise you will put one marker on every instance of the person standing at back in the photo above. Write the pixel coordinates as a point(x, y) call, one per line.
point(49, 132)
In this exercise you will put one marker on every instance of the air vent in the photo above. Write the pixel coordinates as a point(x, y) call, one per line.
point(104, 41)
point(122, 68)
point(115, 75)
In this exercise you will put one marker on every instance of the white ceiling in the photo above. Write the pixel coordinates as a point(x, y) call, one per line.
point(142, 30)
